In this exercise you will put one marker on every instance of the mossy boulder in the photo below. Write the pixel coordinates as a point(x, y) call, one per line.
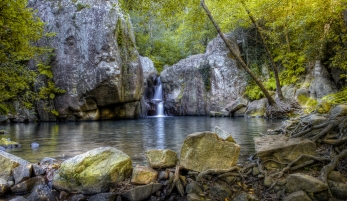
point(94, 171)
point(206, 150)
point(7, 143)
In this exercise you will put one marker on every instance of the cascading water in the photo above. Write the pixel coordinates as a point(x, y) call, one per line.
point(158, 98)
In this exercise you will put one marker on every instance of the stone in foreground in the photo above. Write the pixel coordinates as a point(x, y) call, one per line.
point(22, 173)
point(299, 195)
point(297, 182)
point(141, 192)
point(7, 163)
point(3, 187)
point(93, 172)
point(144, 175)
point(282, 149)
point(223, 134)
point(205, 150)
point(338, 189)
point(161, 158)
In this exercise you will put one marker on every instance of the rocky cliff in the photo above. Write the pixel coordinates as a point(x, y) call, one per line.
point(204, 82)
point(95, 60)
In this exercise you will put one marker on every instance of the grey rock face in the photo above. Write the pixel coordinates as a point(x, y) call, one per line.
point(150, 74)
point(203, 83)
point(95, 60)
point(321, 85)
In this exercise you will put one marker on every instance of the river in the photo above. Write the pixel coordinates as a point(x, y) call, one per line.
point(134, 137)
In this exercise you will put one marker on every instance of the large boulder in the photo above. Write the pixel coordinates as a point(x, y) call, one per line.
point(95, 59)
point(203, 83)
point(8, 163)
point(236, 105)
point(257, 108)
point(206, 150)
point(277, 150)
point(93, 172)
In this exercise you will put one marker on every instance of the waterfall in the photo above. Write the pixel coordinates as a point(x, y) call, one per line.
point(158, 98)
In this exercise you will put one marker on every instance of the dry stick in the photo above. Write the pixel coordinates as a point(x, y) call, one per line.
point(238, 57)
point(214, 171)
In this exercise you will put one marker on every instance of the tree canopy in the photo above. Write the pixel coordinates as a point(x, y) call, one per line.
point(295, 31)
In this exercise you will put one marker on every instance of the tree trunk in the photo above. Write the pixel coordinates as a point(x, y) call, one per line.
point(273, 65)
point(238, 58)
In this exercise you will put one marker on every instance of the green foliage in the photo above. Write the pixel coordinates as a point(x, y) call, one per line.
point(81, 6)
point(19, 30)
point(168, 31)
point(309, 104)
point(337, 98)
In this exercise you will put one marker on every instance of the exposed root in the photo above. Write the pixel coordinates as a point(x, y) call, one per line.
point(282, 108)
point(216, 172)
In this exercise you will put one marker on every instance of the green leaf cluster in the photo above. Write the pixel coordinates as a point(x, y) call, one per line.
point(20, 30)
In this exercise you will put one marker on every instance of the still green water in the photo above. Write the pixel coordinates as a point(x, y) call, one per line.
point(134, 137)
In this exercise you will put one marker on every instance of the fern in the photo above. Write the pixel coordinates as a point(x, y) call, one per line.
point(337, 98)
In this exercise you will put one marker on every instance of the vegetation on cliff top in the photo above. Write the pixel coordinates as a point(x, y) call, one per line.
point(19, 31)
point(295, 32)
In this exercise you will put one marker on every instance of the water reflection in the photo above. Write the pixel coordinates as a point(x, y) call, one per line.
point(133, 137)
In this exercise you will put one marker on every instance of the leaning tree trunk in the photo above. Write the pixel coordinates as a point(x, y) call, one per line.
point(273, 65)
point(238, 58)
